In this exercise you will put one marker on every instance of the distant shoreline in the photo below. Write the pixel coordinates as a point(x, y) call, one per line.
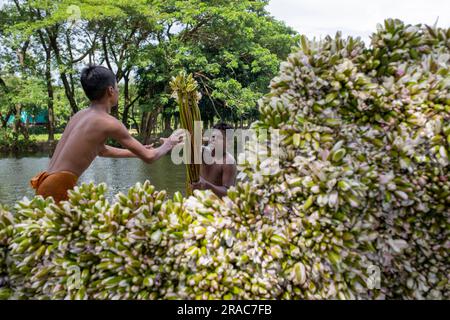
point(32, 148)
point(38, 147)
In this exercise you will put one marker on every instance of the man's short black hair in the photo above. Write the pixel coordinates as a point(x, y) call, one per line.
point(95, 80)
point(222, 126)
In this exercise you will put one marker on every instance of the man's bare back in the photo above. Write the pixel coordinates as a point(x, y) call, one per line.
point(82, 141)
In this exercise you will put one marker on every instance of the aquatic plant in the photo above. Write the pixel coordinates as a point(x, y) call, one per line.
point(185, 91)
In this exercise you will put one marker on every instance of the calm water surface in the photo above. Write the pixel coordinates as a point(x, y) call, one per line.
point(119, 175)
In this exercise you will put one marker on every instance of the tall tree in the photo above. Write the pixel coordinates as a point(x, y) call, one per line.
point(232, 47)
point(121, 43)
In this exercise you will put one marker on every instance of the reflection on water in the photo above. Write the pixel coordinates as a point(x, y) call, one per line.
point(119, 174)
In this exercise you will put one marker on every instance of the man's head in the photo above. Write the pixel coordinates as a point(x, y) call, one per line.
point(218, 139)
point(99, 83)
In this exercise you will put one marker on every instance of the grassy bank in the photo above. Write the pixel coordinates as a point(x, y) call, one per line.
point(38, 143)
point(35, 144)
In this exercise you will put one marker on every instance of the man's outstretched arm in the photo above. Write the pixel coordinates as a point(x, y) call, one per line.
point(118, 132)
point(112, 152)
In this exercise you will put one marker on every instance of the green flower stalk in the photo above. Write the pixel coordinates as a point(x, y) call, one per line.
point(185, 91)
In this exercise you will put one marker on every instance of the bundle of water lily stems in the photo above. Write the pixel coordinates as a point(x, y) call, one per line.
point(184, 89)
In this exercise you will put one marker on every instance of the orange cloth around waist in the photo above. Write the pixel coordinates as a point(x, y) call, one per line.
point(54, 185)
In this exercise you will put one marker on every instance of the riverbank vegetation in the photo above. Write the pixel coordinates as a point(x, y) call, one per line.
point(233, 49)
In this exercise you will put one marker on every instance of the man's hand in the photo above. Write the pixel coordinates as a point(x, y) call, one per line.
point(201, 184)
point(117, 131)
point(175, 138)
point(149, 146)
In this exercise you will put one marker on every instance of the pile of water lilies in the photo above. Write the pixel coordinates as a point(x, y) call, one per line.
point(356, 207)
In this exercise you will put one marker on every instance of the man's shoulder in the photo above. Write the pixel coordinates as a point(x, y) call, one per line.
point(105, 120)
point(99, 122)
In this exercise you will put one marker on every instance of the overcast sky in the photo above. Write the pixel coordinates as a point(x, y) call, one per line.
point(356, 17)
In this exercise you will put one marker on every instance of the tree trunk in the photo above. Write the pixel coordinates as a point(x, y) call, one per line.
point(26, 127)
point(16, 126)
point(177, 119)
point(5, 120)
point(67, 88)
point(167, 123)
point(133, 119)
point(51, 114)
point(143, 125)
point(126, 105)
point(157, 124)
point(149, 126)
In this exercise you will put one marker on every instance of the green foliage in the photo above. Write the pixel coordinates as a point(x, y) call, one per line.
point(233, 48)
point(28, 92)
point(7, 139)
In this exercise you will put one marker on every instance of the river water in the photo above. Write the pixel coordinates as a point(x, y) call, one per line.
point(119, 175)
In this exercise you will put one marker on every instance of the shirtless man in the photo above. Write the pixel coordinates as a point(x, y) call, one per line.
point(85, 136)
point(221, 174)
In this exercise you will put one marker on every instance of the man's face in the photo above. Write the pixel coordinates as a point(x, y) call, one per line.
point(218, 141)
